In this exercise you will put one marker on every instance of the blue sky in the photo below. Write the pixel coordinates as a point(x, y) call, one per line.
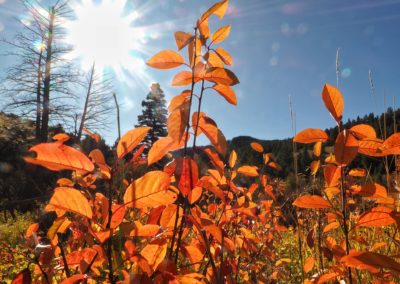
point(280, 48)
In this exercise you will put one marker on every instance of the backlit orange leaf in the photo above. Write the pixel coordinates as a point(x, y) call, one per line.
point(56, 157)
point(130, 140)
point(218, 9)
point(194, 254)
point(97, 156)
point(250, 171)
point(168, 216)
point(362, 131)
point(314, 167)
point(333, 100)
point(374, 190)
point(183, 78)
point(77, 278)
point(221, 76)
point(24, 277)
point(179, 100)
point(154, 253)
point(215, 135)
point(309, 264)
point(216, 161)
point(166, 59)
point(183, 39)
point(226, 92)
point(151, 190)
point(346, 148)
point(69, 199)
point(378, 217)
point(160, 148)
point(317, 149)
point(177, 121)
point(311, 135)
point(391, 146)
point(148, 230)
point(257, 147)
point(224, 55)
point(232, 159)
point(325, 278)
point(213, 60)
point(357, 172)
point(203, 27)
point(61, 137)
point(311, 202)
point(370, 261)
point(188, 174)
point(220, 34)
point(331, 226)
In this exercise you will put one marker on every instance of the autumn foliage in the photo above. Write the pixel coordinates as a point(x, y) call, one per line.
point(183, 224)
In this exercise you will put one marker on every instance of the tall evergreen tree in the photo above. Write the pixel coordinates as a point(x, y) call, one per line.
point(154, 115)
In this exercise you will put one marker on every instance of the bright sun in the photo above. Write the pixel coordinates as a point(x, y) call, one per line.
point(102, 33)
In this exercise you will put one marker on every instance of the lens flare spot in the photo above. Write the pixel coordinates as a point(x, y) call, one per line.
point(346, 73)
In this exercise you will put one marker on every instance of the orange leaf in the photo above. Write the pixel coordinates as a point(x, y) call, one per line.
point(166, 59)
point(391, 146)
point(232, 159)
point(61, 137)
point(374, 190)
point(311, 135)
point(331, 226)
point(56, 157)
point(250, 171)
point(203, 27)
point(183, 39)
point(370, 261)
point(314, 167)
point(151, 190)
point(333, 100)
point(160, 148)
point(257, 147)
point(312, 202)
point(362, 131)
point(216, 161)
point(346, 148)
point(357, 172)
point(218, 9)
point(77, 278)
point(154, 253)
point(179, 100)
point(370, 147)
point(309, 264)
point(324, 278)
point(221, 76)
point(227, 92)
point(148, 230)
point(220, 34)
point(168, 216)
point(194, 254)
point(215, 135)
point(213, 60)
point(183, 78)
point(24, 277)
point(97, 156)
point(224, 55)
point(195, 117)
point(69, 199)
point(177, 121)
point(188, 174)
point(130, 140)
point(317, 149)
point(378, 217)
